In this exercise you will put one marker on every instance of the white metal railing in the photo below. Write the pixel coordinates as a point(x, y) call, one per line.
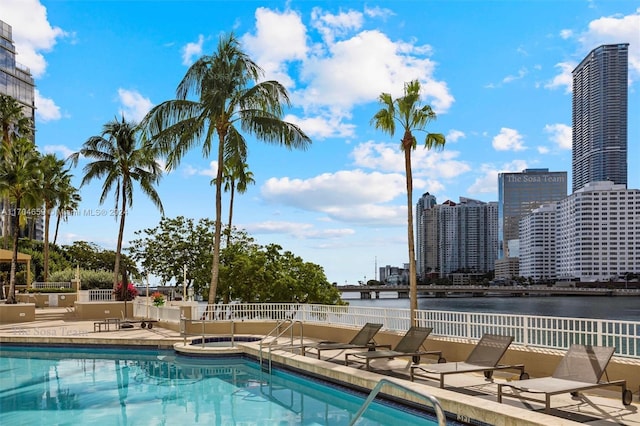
point(527, 330)
point(95, 295)
point(63, 284)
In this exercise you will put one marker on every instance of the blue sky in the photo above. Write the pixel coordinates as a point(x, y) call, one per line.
point(498, 74)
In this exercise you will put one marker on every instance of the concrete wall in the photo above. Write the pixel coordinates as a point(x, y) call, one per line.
point(102, 310)
point(46, 300)
point(20, 312)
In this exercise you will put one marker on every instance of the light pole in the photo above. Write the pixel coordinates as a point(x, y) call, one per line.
point(147, 276)
point(184, 283)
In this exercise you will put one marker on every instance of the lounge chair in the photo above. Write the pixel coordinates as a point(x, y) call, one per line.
point(580, 369)
point(362, 340)
point(408, 345)
point(484, 358)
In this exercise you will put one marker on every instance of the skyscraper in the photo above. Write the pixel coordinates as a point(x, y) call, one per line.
point(599, 116)
point(519, 194)
point(457, 236)
point(16, 81)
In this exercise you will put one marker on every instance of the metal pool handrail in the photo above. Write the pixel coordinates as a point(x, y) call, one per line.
point(442, 418)
point(184, 333)
point(275, 338)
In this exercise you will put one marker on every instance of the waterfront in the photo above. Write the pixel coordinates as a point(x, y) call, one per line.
point(618, 308)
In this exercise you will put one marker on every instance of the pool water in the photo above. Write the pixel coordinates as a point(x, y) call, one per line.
point(63, 386)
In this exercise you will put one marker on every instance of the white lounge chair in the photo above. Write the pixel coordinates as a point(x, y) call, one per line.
point(580, 369)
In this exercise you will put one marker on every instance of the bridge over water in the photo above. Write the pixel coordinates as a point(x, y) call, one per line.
point(373, 292)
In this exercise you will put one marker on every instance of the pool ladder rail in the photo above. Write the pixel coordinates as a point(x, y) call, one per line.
point(440, 415)
point(273, 343)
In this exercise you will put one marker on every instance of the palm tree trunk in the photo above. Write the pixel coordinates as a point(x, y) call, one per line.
point(55, 234)
point(116, 268)
point(45, 249)
point(215, 264)
point(407, 142)
point(5, 223)
point(11, 297)
point(233, 187)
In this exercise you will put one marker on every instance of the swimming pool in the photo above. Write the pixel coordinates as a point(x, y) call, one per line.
point(53, 385)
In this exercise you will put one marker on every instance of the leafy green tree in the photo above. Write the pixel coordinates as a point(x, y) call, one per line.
point(165, 250)
point(407, 113)
point(91, 257)
point(121, 159)
point(229, 100)
point(20, 183)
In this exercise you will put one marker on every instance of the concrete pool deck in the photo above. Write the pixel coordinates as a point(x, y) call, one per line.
point(469, 395)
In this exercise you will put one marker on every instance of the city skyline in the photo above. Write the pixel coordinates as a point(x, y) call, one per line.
point(502, 94)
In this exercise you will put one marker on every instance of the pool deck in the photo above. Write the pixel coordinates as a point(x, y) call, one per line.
point(470, 394)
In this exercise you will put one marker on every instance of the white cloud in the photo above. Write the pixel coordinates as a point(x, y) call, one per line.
point(331, 26)
point(192, 51)
point(62, 149)
point(46, 109)
point(134, 105)
point(32, 32)
point(521, 73)
point(296, 230)
point(565, 34)
point(508, 140)
point(388, 157)
point(542, 150)
point(279, 39)
point(560, 134)
point(564, 79)
point(378, 12)
point(604, 30)
point(350, 67)
point(487, 182)
point(211, 171)
point(454, 135)
point(323, 126)
point(612, 30)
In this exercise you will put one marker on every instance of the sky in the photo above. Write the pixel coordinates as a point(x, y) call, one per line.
point(497, 74)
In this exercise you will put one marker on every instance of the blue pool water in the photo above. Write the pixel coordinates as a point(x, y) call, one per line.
point(64, 386)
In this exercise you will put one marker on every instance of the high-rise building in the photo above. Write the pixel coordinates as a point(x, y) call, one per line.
point(16, 81)
point(599, 116)
point(597, 233)
point(538, 244)
point(519, 194)
point(459, 236)
point(426, 256)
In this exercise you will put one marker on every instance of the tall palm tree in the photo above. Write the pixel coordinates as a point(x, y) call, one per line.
point(13, 124)
point(20, 184)
point(407, 112)
point(228, 99)
point(55, 180)
point(121, 159)
point(67, 203)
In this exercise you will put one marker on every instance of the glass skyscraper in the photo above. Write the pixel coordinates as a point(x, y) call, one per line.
point(599, 116)
point(519, 194)
point(16, 81)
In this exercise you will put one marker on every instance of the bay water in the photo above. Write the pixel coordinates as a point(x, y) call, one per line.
point(625, 308)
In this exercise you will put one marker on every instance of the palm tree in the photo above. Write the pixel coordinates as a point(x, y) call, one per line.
point(407, 112)
point(55, 180)
point(239, 178)
point(67, 203)
point(20, 184)
point(229, 100)
point(13, 124)
point(121, 159)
